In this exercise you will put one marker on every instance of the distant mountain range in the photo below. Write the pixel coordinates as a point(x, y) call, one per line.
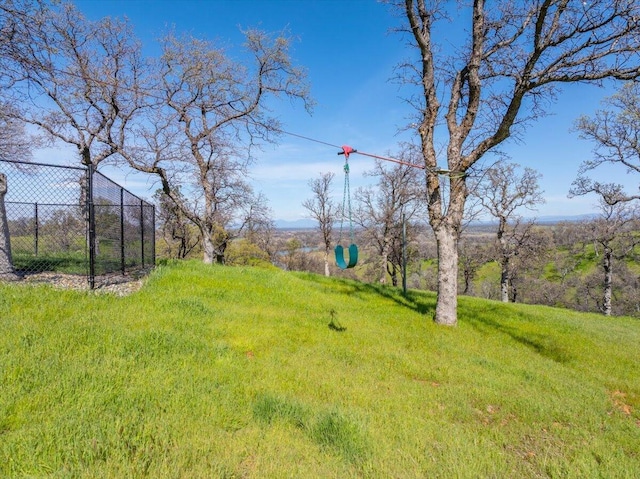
point(301, 224)
point(306, 223)
point(559, 218)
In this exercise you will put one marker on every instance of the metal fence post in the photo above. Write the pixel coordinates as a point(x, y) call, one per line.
point(142, 230)
point(153, 233)
point(122, 260)
point(92, 228)
point(36, 228)
point(404, 254)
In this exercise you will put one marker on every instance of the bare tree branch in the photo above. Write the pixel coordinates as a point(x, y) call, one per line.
point(77, 80)
point(210, 113)
point(516, 58)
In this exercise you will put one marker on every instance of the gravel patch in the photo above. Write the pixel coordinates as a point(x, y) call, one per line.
point(112, 284)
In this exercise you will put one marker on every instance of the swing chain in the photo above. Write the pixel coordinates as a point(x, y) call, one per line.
point(346, 201)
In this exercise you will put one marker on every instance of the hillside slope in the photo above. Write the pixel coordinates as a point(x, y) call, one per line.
point(245, 372)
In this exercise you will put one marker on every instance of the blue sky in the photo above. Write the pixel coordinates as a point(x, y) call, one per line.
point(349, 53)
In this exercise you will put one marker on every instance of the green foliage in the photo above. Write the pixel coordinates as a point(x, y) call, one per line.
point(214, 371)
point(244, 253)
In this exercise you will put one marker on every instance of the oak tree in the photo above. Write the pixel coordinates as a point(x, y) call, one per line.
point(473, 96)
point(613, 231)
point(78, 81)
point(324, 210)
point(209, 115)
point(503, 192)
point(381, 209)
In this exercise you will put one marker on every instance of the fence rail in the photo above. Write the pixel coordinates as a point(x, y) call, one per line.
point(72, 220)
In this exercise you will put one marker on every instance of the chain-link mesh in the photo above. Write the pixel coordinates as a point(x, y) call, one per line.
point(55, 227)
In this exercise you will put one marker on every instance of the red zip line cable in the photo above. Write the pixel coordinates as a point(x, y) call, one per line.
point(347, 150)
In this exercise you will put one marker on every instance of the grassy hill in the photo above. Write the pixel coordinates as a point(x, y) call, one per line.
point(246, 372)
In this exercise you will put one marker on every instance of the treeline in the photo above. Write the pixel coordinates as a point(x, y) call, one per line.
point(586, 266)
point(563, 267)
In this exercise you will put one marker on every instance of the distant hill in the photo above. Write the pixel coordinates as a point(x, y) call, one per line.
point(295, 224)
point(306, 223)
point(548, 219)
point(560, 218)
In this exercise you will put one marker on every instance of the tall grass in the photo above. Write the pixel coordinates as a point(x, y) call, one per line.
point(235, 372)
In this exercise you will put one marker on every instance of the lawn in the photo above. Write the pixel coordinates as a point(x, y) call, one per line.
point(213, 371)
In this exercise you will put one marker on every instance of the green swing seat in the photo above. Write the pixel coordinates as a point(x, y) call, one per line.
point(353, 256)
point(346, 201)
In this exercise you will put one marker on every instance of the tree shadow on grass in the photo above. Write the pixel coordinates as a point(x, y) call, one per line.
point(495, 318)
point(418, 301)
point(487, 318)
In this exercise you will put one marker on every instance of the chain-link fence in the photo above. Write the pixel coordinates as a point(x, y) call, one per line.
point(72, 220)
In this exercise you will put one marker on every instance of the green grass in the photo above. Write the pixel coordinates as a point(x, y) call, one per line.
point(235, 372)
point(70, 263)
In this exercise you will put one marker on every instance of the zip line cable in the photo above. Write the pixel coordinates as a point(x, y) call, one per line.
point(346, 150)
point(106, 83)
point(308, 139)
point(385, 158)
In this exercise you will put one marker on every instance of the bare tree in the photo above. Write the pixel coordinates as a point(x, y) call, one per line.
point(614, 230)
point(179, 234)
point(615, 131)
point(79, 81)
point(15, 143)
point(515, 58)
point(210, 112)
point(531, 245)
point(502, 192)
point(324, 211)
point(473, 254)
point(258, 226)
point(380, 212)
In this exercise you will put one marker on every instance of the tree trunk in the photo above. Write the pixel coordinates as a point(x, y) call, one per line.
point(514, 292)
point(208, 249)
point(393, 272)
point(608, 282)
point(384, 259)
point(383, 269)
point(213, 246)
point(7, 272)
point(447, 304)
point(504, 280)
point(467, 281)
point(327, 272)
